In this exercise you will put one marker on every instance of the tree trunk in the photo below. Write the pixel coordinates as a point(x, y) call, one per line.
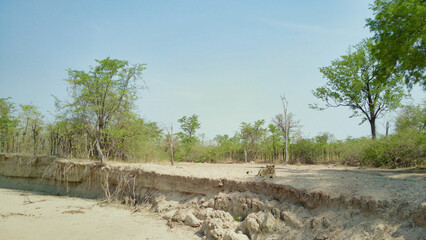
point(387, 128)
point(171, 145)
point(373, 128)
point(286, 148)
point(101, 155)
point(245, 154)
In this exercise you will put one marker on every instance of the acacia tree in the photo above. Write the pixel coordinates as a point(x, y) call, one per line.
point(399, 28)
point(104, 93)
point(354, 82)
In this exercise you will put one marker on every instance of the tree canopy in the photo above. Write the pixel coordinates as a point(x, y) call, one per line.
point(399, 28)
point(104, 95)
point(250, 135)
point(189, 125)
point(411, 118)
point(354, 82)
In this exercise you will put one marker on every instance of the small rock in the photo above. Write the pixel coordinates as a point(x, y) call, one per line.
point(276, 212)
point(257, 205)
point(314, 223)
point(322, 236)
point(326, 222)
point(420, 217)
point(159, 203)
point(168, 215)
point(231, 235)
point(403, 211)
point(171, 224)
point(378, 229)
point(250, 225)
point(192, 221)
point(205, 213)
point(179, 216)
point(292, 219)
point(213, 228)
point(218, 222)
point(268, 222)
point(208, 203)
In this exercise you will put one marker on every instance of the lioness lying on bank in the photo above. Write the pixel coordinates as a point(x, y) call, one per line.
point(268, 172)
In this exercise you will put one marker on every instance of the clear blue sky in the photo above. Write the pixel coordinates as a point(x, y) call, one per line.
point(226, 61)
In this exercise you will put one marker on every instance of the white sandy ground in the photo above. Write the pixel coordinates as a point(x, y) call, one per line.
point(28, 215)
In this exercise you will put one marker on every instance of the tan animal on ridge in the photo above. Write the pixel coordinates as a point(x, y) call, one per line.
point(268, 172)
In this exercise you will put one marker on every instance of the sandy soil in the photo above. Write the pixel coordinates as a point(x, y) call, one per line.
point(26, 215)
point(378, 184)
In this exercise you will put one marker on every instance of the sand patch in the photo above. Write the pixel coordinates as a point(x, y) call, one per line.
point(46, 220)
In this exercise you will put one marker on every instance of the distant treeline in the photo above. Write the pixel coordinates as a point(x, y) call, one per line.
point(99, 118)
point(130, 138)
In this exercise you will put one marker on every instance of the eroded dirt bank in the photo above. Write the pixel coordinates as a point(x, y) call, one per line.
point(228, 201)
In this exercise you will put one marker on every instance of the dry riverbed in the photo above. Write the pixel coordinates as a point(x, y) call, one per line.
point(29, 215)
point(215, 201)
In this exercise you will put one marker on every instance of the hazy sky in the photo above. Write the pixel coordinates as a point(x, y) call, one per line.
point(226, 61)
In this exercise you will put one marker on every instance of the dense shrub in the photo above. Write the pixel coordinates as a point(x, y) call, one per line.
point(351, 151)
point(398, 150)
point(305, 151)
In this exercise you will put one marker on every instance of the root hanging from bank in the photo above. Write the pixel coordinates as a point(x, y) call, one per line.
point(123, 190)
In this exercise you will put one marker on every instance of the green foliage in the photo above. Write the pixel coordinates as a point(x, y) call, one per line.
point(67, 138)
point(406, 149)
point(228, 147)
point(399, 28)
point(412, 118)
point(305, 151)
point(31, 124)
point(399, 150)
point(354, 83)
point(134, 138)
point(251, 136)
point(104, 94)
point(8, 124)
point(127, 136)
point(102, 103)
point(189, 148)
point(189, 125)
point(351, 151)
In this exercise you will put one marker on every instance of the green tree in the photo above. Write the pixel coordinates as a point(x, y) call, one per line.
point(104, 94)
point(8, 124)
point(251, 134)
point(354, 83)
point(134, 137)
point(189, 125)
point(399, 28)
point(31, 123)
point(189, 148)
point(411, 118)
point(274, 139)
